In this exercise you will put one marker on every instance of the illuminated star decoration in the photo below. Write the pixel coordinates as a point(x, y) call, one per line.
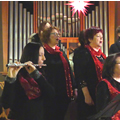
point(79, 6)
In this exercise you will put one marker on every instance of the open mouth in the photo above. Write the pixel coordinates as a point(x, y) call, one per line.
point(57, 39)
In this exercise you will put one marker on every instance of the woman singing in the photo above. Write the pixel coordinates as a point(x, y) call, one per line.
point(88, 64)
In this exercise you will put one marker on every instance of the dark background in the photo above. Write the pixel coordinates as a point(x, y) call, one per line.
point(29, 6)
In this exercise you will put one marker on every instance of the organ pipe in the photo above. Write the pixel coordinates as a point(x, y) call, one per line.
point(20, 29)
point(11, 33)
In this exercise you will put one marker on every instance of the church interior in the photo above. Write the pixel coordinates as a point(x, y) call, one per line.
point(20, 19)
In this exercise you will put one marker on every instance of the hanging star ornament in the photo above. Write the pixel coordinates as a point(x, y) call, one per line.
point(79, 6)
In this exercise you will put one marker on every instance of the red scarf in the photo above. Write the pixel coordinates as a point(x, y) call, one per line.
point(30, 86)
point(65, 65)
point(113, 92)
point(98, 64)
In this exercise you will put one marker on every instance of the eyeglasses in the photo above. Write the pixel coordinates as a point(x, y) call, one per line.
point(56, 34)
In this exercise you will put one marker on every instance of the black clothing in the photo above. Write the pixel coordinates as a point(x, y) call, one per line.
point(114, 48)
point(103, 94)
point(56, 77)
point(85, 75)
point(3, 116)
point(15, 98)
point(36, 38)
point(103, 100)
point(109, 111)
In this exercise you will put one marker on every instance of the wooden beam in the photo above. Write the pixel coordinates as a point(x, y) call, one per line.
point(111, 14)
point(69, 40)
point(82, 22)
point(5, 15)
point(117, 16)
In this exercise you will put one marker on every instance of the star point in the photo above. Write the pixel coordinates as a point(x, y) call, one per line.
point(79, 6)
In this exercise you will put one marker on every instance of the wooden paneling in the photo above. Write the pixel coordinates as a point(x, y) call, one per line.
point(111, 13)
point(117, 16)
point(82, 22)
point(69, 40)
point(5, 33)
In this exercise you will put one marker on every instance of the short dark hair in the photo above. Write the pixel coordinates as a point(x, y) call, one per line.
point(109, 64)
point(31, 52)
point(82, 38)
point(90, 32)
point(36, 38)
point(46, 34)
point(118, 29)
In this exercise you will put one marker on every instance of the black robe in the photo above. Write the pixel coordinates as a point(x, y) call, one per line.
point(114, 48)
point(15, 98)
point(54, 72)
point(103, 94)
point(84, 69)
point(106, 107)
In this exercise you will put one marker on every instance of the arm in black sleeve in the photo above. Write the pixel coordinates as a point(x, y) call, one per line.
point(8, 92)
point(102, 96)
point(80, 60)
point(46, 88)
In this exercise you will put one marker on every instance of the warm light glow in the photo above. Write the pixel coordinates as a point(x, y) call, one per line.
point(79, 6)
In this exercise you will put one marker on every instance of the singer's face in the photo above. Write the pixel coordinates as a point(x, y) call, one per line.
point(41, 57)
point(97, 40)
point(54, 37)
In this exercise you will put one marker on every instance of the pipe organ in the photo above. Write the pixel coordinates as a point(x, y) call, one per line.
point(21, 23)
point(61, 16)
point(20, 28)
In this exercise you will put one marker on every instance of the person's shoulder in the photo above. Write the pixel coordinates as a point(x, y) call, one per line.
point(81, 54)
point(35, 38)
point(80, 50)
point(102, 84)
point(113, 45)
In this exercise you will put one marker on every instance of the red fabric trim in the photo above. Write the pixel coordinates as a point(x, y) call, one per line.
point(65, 65)
point(113, 93)
point(30, 86)
point(98, 64)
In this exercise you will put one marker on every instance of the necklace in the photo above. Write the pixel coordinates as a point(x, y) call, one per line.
point(100, 58)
